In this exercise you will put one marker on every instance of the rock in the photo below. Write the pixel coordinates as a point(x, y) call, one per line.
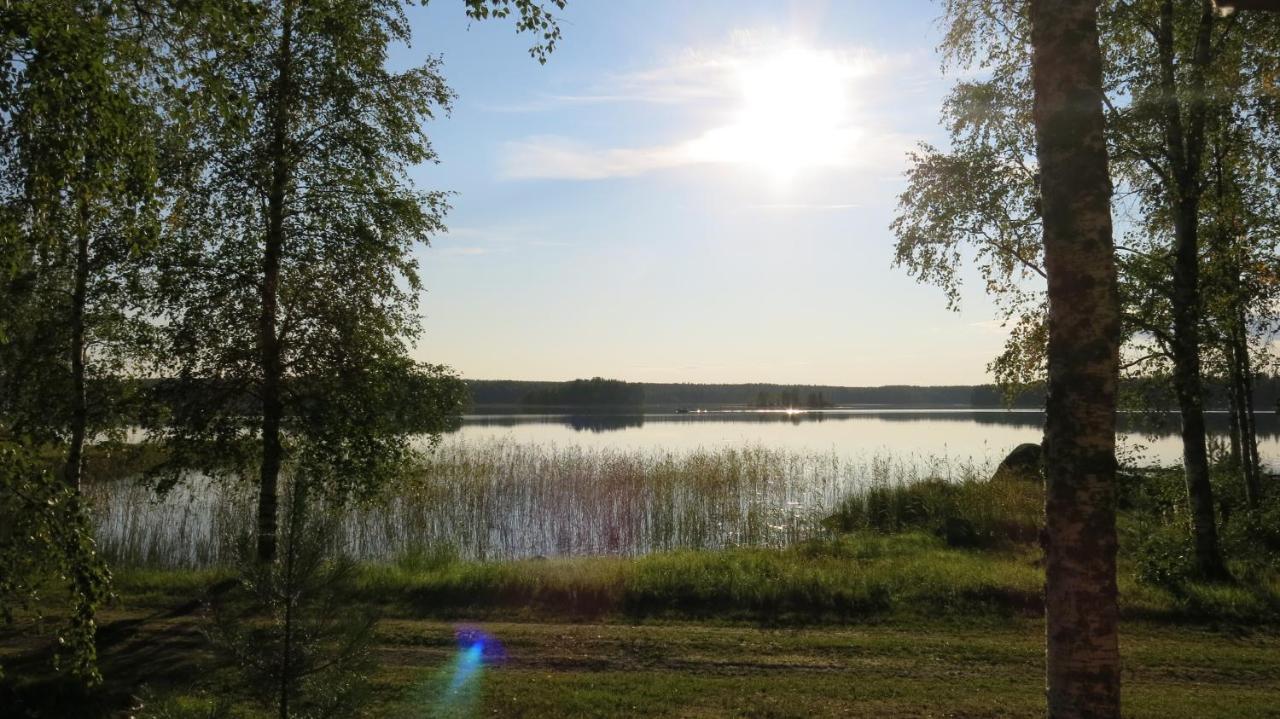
point(1024, 463)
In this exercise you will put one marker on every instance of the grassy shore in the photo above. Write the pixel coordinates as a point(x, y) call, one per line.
point(867, 625)
point(860, 577)
point(912, 595)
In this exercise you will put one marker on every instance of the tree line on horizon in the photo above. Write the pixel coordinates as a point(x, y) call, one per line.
point(594, 392)
point(1138, 394)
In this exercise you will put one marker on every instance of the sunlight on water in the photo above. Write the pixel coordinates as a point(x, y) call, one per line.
point(512, 487)
point(975, 436)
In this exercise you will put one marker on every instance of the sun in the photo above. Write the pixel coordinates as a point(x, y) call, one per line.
point(793, 114)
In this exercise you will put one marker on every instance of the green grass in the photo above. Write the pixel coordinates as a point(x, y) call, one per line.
point(893, 625)
point(862, 577)
point(920, 668)
point(915, 597)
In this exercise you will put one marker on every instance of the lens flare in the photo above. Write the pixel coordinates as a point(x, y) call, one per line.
point(454, 689)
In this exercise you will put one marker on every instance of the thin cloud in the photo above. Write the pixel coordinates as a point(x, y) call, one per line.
point(992, 327)
point(697, 75)
point(804, 206)
point(485, 240)
point(771, 128)
point(554, 157)
point(561, 158)
point(464, 251)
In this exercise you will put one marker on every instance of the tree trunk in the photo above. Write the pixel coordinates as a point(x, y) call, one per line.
point(1184, 143)
point(271, 357)
point(1250, 432)
point(1082, 644)
point(79, 399)
point(1251, 464)
point(1233, 407)
point(1187, 385)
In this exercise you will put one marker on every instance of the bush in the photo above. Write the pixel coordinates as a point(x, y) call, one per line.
point(1164, 557)
point(969, 513)
point(48, 558)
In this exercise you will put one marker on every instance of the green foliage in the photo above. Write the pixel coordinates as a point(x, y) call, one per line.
point(594, 392)
point(534, 17)
point(297, 642)
point(309, 157)
point(78, 204)
point(1164, 557)
point(1154, 534)
point(184, 707)
point(48, 559)
point(976, 202)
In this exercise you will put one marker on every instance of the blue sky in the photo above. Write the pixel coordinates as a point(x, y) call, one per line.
point(636, 208)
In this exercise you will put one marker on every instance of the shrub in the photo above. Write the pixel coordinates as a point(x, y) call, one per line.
point(297, 642)
point(968, 513)
point(1163, 557)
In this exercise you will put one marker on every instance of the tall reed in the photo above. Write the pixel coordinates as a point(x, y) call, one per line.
point(505, 500)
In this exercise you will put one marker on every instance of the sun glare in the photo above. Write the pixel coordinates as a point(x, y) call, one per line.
point(793, 114)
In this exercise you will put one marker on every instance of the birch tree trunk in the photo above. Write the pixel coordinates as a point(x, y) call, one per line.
point(1082, 645)
point(271, 354)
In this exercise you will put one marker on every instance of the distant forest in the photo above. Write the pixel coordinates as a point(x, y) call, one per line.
point(598, 392)
point(594, 392)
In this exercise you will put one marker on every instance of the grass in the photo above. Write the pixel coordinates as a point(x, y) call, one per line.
point(745, 583)
point(582, 669)
point(860, 578)
point(854, 577)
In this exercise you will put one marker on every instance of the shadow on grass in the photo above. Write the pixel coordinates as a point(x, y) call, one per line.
point(162, 648)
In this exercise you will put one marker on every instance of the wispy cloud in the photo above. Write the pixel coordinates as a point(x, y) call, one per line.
point(804, 206)
point(788, 107)
point(992, 327)
point(472, 241)
point(554, 157)
point(464, 251)
point(696, 75)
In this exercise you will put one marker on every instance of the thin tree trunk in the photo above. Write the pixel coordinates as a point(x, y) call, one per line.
point(1190, 392)
point(269, 340)
point(1250, 434)
point(1248, 430)
point(1227, 247)
point(79, 400)
point(1082, 638)
point(1233, 407)
point(1185, 147)
point(296, 518)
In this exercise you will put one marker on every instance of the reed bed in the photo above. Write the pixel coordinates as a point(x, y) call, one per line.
point(500, 500)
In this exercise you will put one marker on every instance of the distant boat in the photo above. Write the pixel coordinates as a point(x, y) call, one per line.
point(682, 410)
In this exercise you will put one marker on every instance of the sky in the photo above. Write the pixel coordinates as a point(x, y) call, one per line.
point(689, 192)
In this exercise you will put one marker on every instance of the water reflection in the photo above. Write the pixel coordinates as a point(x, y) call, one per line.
point(1163, 424)
point(981, 435)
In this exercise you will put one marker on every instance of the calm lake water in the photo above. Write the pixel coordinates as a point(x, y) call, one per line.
point(513, 486)
point(979, 437)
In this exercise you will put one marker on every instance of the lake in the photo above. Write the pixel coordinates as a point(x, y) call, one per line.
point(978, 437)
point(513, 486)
